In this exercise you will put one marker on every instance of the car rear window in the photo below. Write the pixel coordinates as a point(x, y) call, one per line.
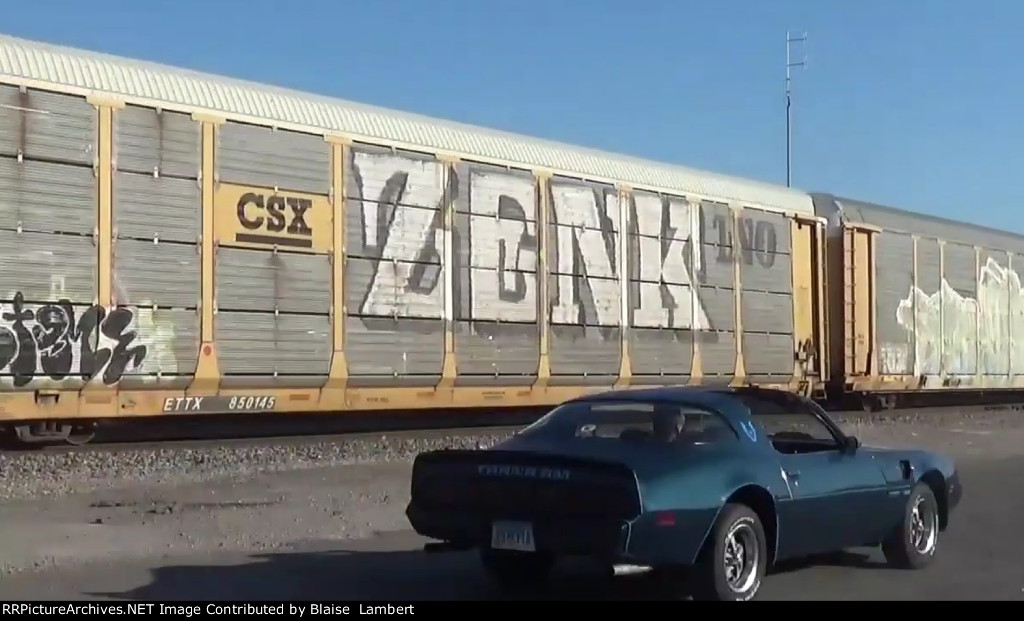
point(636, 421)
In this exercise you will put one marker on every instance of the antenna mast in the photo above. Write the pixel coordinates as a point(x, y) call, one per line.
point(790, 40)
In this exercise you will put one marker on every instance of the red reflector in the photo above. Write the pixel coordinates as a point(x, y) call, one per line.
point(665, 519)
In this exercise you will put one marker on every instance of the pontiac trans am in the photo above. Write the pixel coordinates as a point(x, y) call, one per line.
point(714, 484)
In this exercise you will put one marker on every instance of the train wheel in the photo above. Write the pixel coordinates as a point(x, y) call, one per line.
point(79, 435)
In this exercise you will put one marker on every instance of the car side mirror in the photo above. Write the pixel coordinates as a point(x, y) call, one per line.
point(851, 444)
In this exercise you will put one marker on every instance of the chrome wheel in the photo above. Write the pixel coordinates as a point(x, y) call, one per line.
point(741, 556)
point(924, 526)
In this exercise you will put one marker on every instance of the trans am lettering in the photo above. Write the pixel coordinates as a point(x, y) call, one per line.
point(530, 472)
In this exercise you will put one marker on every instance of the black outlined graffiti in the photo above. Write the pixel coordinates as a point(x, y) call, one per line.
point(42, 342)
point(757, 240)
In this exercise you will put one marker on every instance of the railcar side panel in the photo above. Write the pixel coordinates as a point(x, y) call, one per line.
point(55, 332)
point(584, 287)
point(718, 278)
point(272, 262)
point(666, 309)
point(764, 256)
point(394, 269)
point(947, 302)
point(495, 267)
point(156, 231)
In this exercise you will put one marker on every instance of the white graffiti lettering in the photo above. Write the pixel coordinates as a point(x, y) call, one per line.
point(401, 200)
point(503, 239)
point(944, 324)
point(666, 270)
point(581, 235)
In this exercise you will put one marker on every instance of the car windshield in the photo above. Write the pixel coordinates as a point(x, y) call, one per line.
point(634, 421)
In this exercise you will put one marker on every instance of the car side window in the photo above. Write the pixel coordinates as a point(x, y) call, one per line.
point(634, 421)
point(792, 426)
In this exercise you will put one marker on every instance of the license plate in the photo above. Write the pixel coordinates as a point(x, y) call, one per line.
point(516, 536)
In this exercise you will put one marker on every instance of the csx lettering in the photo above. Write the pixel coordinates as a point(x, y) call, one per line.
point(251, 206)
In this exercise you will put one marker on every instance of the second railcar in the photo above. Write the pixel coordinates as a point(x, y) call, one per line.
point(919, 304)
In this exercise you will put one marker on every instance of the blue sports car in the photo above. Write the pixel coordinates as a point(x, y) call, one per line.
point(713, 483)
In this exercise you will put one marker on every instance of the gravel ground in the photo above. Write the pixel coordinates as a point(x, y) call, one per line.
point(28, 475)
point(68, 508)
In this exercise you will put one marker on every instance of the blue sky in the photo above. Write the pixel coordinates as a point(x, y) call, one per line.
point(914, 104)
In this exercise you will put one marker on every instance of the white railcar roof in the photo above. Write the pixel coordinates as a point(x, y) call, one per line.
point(84, 72)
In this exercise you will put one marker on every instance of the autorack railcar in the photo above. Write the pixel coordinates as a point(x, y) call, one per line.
point(179, 243)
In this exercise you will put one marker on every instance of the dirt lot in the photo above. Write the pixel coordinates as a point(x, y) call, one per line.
point(344, 499)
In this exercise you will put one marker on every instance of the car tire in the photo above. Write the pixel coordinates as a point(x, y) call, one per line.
point(732, 563)
point(912, 544)
point(516, 569)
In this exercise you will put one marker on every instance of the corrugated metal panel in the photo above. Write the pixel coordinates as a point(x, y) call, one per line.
point(994, 292)
point(164, 274)
point(171, 337)
point(359, 276)
point(1016, 314)
point(768, 357)
point(48, 357)
point(163, 207)
point(492, 349)
point(392, 205)
point(484, 239)
point(586, 206)
point(918, 313)
point(261, 156)
point(264, 344)
point(661, 352)
point(578, 351)
point(960, 310)
point(46, 126)
point(406, 233)
point(253, 280)
point(765, 231)
point(395, 350)
point(165, 143)
point(131, 78)
point(717, 354)
point(492, 295)
point(960, 269)
point(588, 300)
point(767, 312)
point(487, 190)
point(715, 270)
point(894, 270)
point(49, 267)
point(777, 278)
point(929, 265)
point(720, 306)
point(43, 196)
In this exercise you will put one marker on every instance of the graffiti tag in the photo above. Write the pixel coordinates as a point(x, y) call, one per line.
point(758, 240)
point(52, 340)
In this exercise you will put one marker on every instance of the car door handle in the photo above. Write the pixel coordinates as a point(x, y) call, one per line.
point(793, 474)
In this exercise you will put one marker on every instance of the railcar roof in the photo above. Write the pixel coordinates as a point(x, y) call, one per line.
point(145, 83)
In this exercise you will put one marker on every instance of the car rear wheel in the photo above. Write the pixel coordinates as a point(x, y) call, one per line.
point(516, 569)
point(913, 543)
point(732, 563)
